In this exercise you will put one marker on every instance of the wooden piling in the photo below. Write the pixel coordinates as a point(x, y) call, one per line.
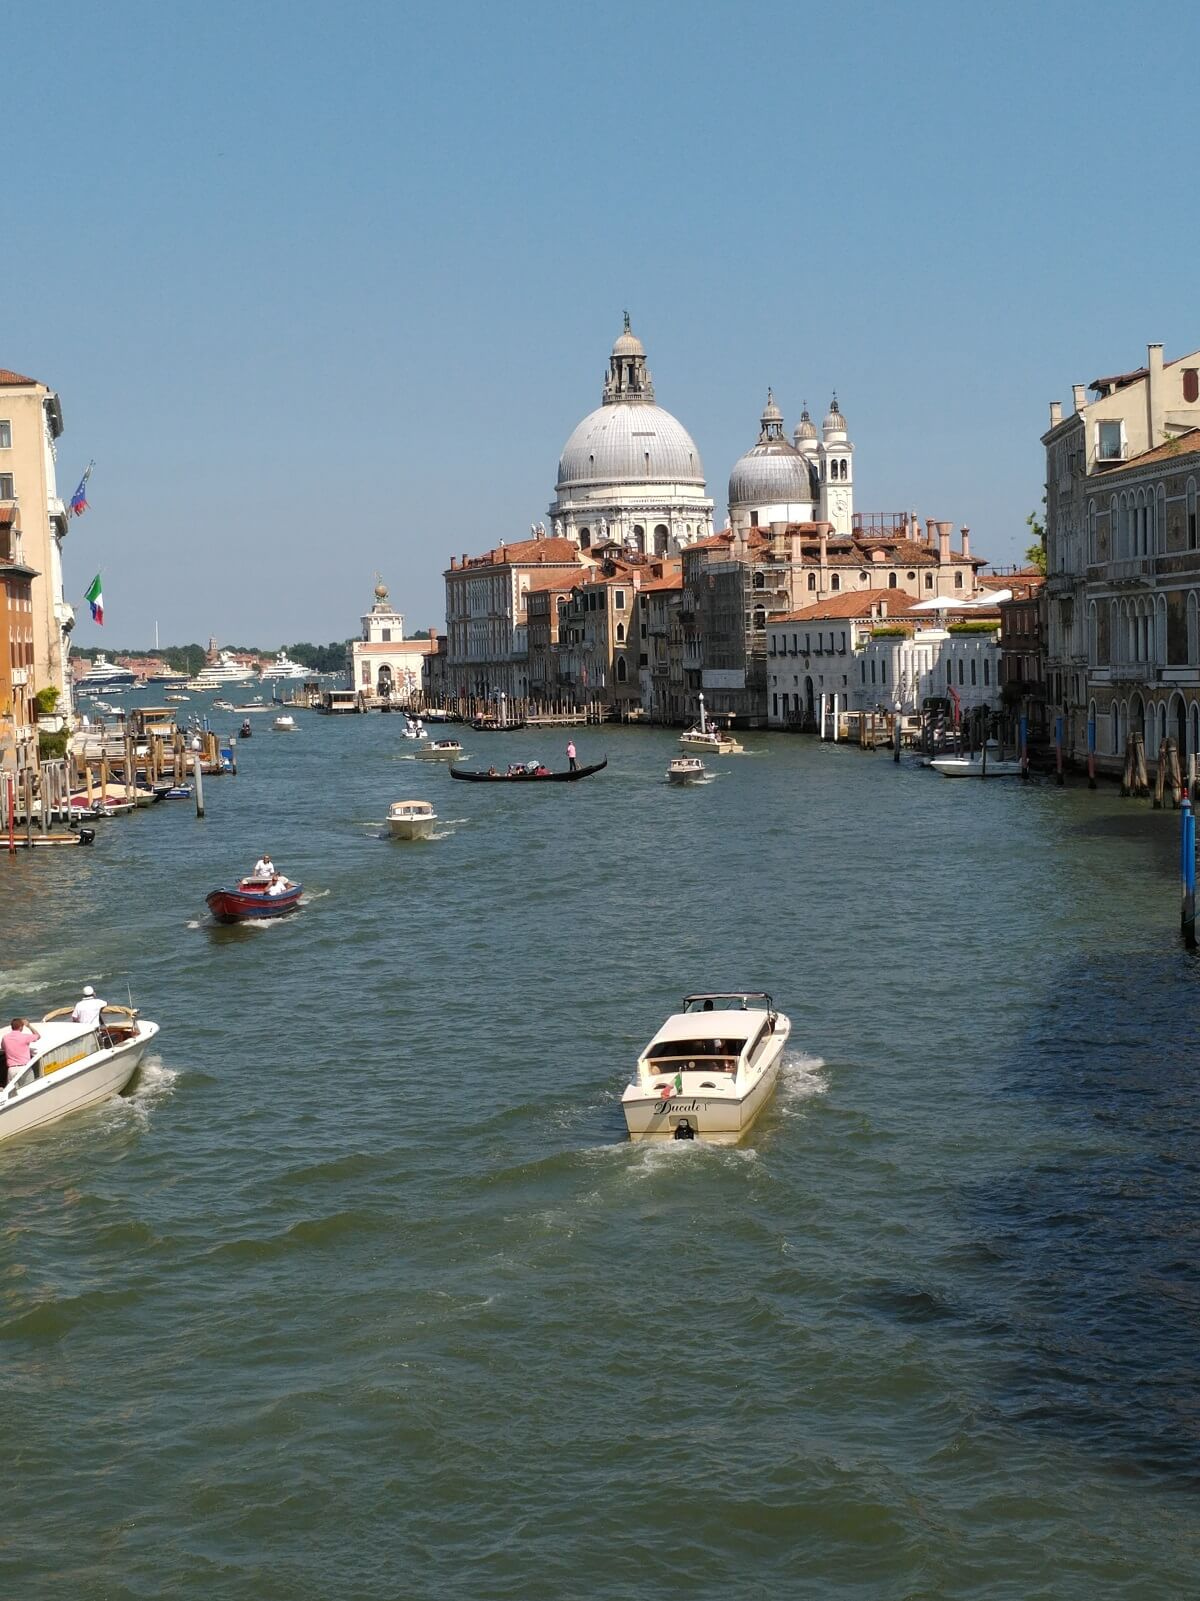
point(198, 776)
point(1141, 776)
point(1160, 775)
point(1174, 776)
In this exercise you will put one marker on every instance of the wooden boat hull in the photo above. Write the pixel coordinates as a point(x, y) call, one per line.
point(239, 906)
point(569, 777)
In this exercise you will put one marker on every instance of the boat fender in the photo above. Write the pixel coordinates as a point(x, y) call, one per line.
point(684, 1130)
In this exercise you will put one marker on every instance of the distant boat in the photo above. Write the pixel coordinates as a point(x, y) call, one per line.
point(686, 770)
point(411, 819)
point(284, 667)
point(285, 724)
point(104, 674)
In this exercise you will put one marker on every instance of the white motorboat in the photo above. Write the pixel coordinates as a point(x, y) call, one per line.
point(411, 819)
point(707, 736)
point(74, 1065)
point(177, 698)
point(286, 724)
point(686, 770)
point(709, 1070)
point(222, 705)
point(976, 766)
point(415, 730)
point(440, 750)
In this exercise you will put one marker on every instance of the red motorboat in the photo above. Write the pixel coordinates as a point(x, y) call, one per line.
point(250, 901)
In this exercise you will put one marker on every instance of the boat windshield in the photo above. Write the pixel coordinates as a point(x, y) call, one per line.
point(718, 1053)
point(727, 1003)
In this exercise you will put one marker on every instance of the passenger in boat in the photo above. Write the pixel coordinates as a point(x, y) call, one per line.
point(17, 1045)
point(278, 885)
point(492, 773)
point(571, 762)
point(88, 1007)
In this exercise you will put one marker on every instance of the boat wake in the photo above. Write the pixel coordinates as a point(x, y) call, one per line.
point(801, 1079)
point(153, 1084)
point(306, 900)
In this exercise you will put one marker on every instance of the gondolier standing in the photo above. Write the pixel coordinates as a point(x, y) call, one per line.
point(571, 754)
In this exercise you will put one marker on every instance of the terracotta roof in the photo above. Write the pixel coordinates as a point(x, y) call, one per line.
point(1182, 445)
point(14, 378)
point(854, 604)
point(559, 580)
point(654, 586)
point(526, 552)
point(395, 647)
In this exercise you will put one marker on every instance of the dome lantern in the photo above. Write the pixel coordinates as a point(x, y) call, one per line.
point(628, 376)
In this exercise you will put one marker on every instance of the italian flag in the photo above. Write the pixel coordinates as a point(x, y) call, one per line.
point(95, 598)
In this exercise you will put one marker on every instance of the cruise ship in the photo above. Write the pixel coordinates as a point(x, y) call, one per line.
point(104, 674)
point(284, 667)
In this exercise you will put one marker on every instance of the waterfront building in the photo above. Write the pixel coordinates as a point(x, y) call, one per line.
point(813, 652)
point(1141, 597)
point(598, 644)
point(383, 664)
point(738, 582)
point(661, 634)
point(487, 652)
point(31, 422)
point(1023, 649)
point(18, 715)
point(630, 471)
point(544, 598)
point(1131, 415)
point(798, 481)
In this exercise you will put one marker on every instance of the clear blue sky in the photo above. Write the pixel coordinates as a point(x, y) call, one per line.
point(324, 288)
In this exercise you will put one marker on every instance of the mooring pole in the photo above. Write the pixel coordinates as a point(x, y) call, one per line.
point(1091, 753)
point(1058, 750)
point(1188, 875)
point(198, 775)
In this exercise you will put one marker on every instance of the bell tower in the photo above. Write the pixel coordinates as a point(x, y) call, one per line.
point(835, 457)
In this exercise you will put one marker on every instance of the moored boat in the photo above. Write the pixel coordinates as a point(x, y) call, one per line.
point(977, 766)
point(74, 1065)
point(686, 770)
point(709, 1071)
point(411, 819)
point(532, 773)
point(439, 750)
point(250, 901)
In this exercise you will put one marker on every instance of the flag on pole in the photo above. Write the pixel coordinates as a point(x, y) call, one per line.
point(79, 499)
point(95, 599)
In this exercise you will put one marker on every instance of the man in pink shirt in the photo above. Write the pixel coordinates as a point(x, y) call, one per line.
point(17, 1046)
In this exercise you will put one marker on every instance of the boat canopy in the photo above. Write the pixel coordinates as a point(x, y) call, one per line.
point(672, 1049)
point(729, 1001)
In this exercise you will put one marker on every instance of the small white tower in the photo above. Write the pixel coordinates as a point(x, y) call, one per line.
point(835, 454)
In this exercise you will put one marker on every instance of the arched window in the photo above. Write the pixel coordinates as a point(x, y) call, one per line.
point(812, 580)
point(893, 581)
point(987, 671)
point(620, 633)
point(622, 671)
point(872, 669)
point(760, 580)
point(639, 537)
point(662, 538)
point(961, 669)
point(760, 617)
point(1114, 529)
point(974, 679)
point(835, 582)
point(1114, 719)
point(585, 538)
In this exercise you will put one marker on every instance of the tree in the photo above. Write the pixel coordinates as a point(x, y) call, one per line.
point(1036, 554)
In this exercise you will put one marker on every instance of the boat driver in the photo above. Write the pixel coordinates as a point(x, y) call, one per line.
point(88, 1008)
point(264, 867)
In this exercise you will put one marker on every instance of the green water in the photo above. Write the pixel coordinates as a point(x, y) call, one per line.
point(362, 1293)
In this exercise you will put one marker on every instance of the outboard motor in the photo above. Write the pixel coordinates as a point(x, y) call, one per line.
point(684, 1130)
point(87, 836)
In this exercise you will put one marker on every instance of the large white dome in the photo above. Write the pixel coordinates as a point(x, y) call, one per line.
point(628, 444)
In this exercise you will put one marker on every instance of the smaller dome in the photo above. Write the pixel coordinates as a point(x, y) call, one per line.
point(805, 428)
point(628, 343)
point(771, 412)
point(834, 421)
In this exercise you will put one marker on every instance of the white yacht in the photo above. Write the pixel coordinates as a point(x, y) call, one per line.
point(708, 736)
point(709, 1070)
point(411, 819)
point(74, 1065)
point(104, 674)
point(215, 674)
point(284, 667)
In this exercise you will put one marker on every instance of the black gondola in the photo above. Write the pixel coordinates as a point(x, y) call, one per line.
point(545, 777)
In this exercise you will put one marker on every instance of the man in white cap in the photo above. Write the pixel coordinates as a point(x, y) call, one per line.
point(88, 1007)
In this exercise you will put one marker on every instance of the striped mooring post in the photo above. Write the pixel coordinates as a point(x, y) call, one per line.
point(1187, 874)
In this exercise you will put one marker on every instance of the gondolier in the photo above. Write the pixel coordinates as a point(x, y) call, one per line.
point(571, 755)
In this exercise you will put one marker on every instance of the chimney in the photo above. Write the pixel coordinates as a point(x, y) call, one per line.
point(930, 537)
point(944, 541)
point(1154, 395)
point(883, 605)
point(1055, 413)
point(966, 541)
point(453, 563)
point(1077, 391)
point(822, 551)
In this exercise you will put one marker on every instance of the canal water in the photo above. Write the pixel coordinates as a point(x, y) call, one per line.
point(362, 1293)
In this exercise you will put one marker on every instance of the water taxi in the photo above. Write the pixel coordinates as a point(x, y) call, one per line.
point(74, 1065)
point(439, 750)
point(286, 724)
point(709, 1070)
point(686, 770)
point(411, 819)
point(708, 736)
